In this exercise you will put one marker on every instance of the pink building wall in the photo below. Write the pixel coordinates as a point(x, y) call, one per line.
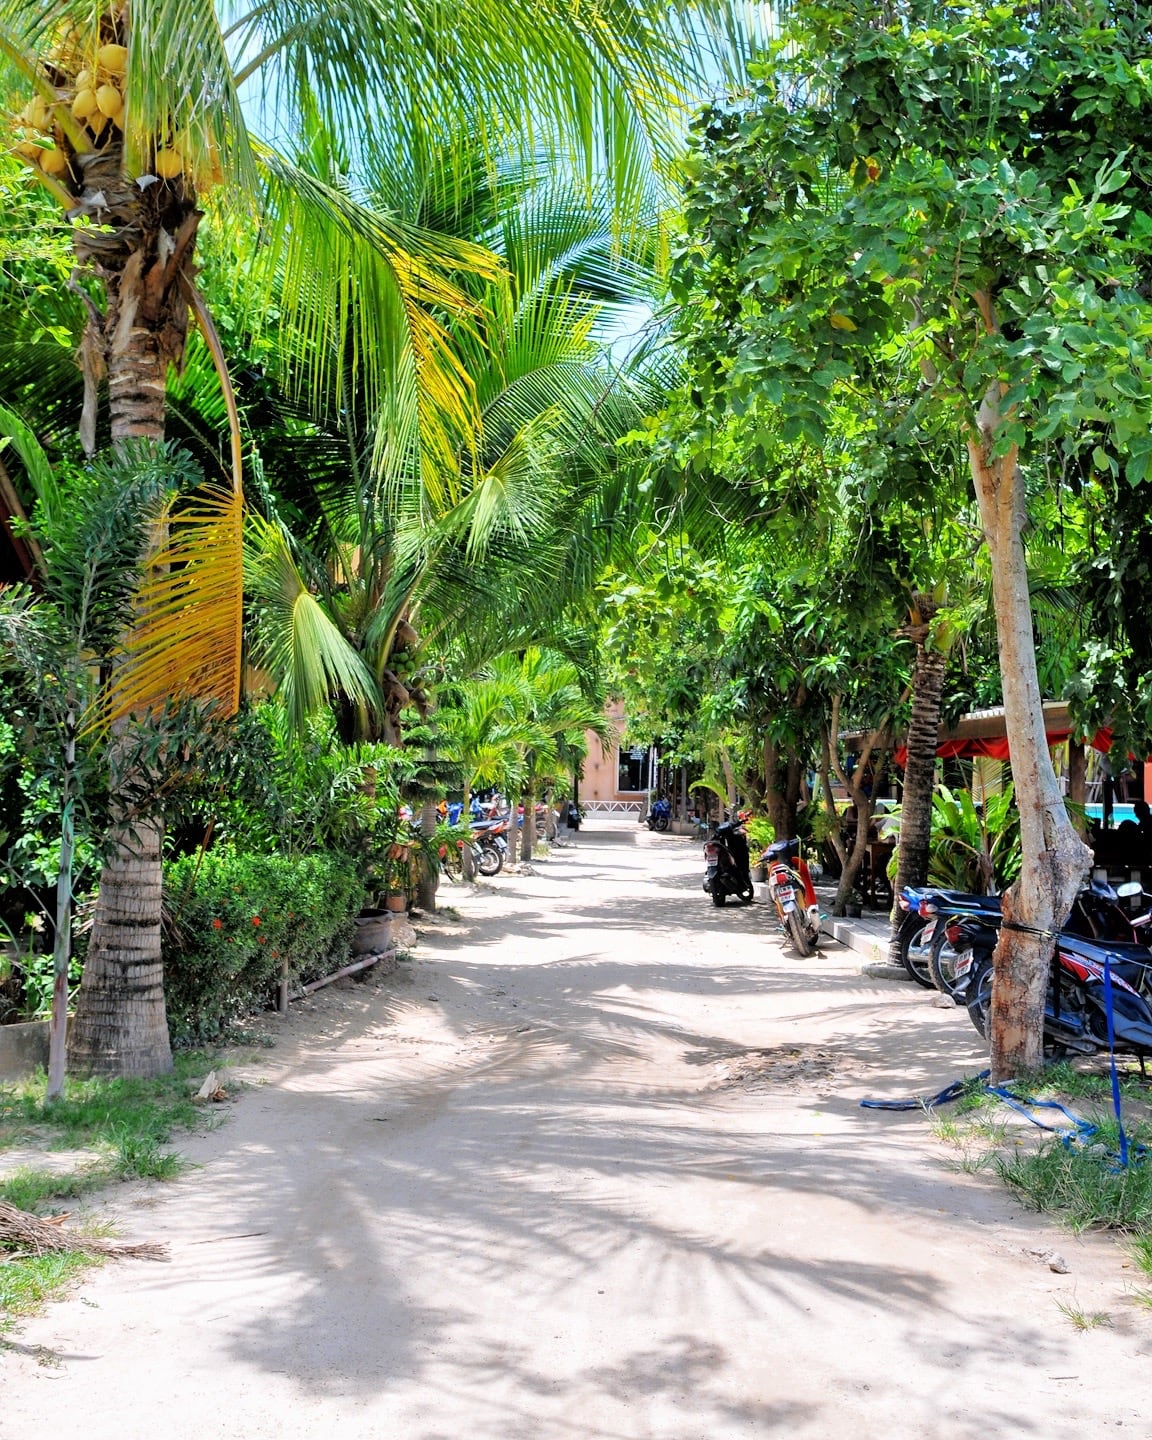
point(601, 772)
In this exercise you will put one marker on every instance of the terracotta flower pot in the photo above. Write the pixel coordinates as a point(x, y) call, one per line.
point(396, 904)
point(373, 932)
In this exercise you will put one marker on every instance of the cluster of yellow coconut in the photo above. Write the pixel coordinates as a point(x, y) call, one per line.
point(91, 86)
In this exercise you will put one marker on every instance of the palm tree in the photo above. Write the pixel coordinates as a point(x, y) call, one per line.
point(384, 572)
point(134, 121)
point(556, 713)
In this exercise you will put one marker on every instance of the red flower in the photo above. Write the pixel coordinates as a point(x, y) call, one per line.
point(216, 924)
point(255, 919)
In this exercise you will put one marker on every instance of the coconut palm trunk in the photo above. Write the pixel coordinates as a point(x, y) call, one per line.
point(429, 881)
point(121, 1025)
point(920, 762)
point(528, 831)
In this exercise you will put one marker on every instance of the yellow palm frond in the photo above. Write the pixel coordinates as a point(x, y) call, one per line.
point(186, 643)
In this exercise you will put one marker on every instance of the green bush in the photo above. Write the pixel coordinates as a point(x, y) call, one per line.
point(232, 920)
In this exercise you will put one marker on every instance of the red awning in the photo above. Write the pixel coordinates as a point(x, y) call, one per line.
point(995, 747)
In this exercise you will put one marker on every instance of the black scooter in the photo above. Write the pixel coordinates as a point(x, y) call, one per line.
point(726, 858)
point(1076, 1004)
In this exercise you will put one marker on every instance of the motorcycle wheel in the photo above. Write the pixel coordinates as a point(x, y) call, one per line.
point(978, 996)
point(719, 895)
point(979, 1001)
point(660, 823)
point(942, 960)
point(489, 861)
point(914, 958)
point(799, 933)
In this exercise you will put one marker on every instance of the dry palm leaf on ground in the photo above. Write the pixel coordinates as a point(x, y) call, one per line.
point(24, 1234)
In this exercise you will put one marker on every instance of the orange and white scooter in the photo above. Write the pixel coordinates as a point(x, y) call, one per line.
point(792, 893)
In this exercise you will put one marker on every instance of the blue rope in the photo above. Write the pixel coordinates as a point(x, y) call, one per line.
point(1080, 1132)
point(942, 1097)
point(1138, 1151)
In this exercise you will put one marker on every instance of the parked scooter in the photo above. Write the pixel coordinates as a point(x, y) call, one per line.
point(924, 910)
point(489, 845)
point(726, 858)
point(1076, 1005)
point(956, 922)
point(659, 816)
point(791, 891)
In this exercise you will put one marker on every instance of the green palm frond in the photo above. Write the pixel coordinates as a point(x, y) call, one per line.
point(604, 85)
point(14, 431)
point(296, 641)
point(363, 299)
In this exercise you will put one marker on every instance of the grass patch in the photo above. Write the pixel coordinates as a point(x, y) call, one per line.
point(1083, 1319)
point(31, 1190)
point(1141, 1252)
point(139, 1157)
point(27, 1283)
point(126, 1123)
point(1081, 1185)
point(106, 1113)
point(1067, 1082)
point(971, 1162)
point(1078, 1185)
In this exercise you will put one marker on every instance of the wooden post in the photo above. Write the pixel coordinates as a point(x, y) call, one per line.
point(1078, 782)
point(282, 1004)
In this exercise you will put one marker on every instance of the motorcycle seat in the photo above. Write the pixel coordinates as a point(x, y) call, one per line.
point(782, 849)
point(945, 899)
point(1129, 960)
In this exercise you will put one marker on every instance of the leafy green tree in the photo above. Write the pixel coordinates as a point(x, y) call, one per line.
point(951, 203)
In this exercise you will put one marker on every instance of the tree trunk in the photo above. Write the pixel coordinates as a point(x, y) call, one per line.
point(121, 1026)
point(729, 780)
point(62, 936)
point(783, 774)
point(1054, 859)
point(855, 856)
point(528, 831)
point(877, 745)
point(919, 767)
point(429, 881)
point(467, 863)
point(825, 777)
point(1078, 782)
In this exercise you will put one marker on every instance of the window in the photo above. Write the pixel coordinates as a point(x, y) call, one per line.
point(632, 770)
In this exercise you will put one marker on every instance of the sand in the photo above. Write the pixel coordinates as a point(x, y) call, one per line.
point(591, 1165)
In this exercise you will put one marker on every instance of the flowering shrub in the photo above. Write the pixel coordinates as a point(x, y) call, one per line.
point(234, 917)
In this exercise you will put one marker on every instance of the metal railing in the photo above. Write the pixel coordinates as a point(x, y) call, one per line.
point(611, 807)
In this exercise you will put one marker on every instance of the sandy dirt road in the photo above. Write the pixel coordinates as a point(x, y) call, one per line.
point(564, 1177)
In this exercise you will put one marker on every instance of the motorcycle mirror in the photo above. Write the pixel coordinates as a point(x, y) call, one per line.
point(1132, 887)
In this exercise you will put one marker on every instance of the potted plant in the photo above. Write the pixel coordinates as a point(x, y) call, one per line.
point(760, 836)
point(388, 881)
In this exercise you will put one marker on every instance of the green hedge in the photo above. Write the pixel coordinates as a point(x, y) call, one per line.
point(233, 918)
